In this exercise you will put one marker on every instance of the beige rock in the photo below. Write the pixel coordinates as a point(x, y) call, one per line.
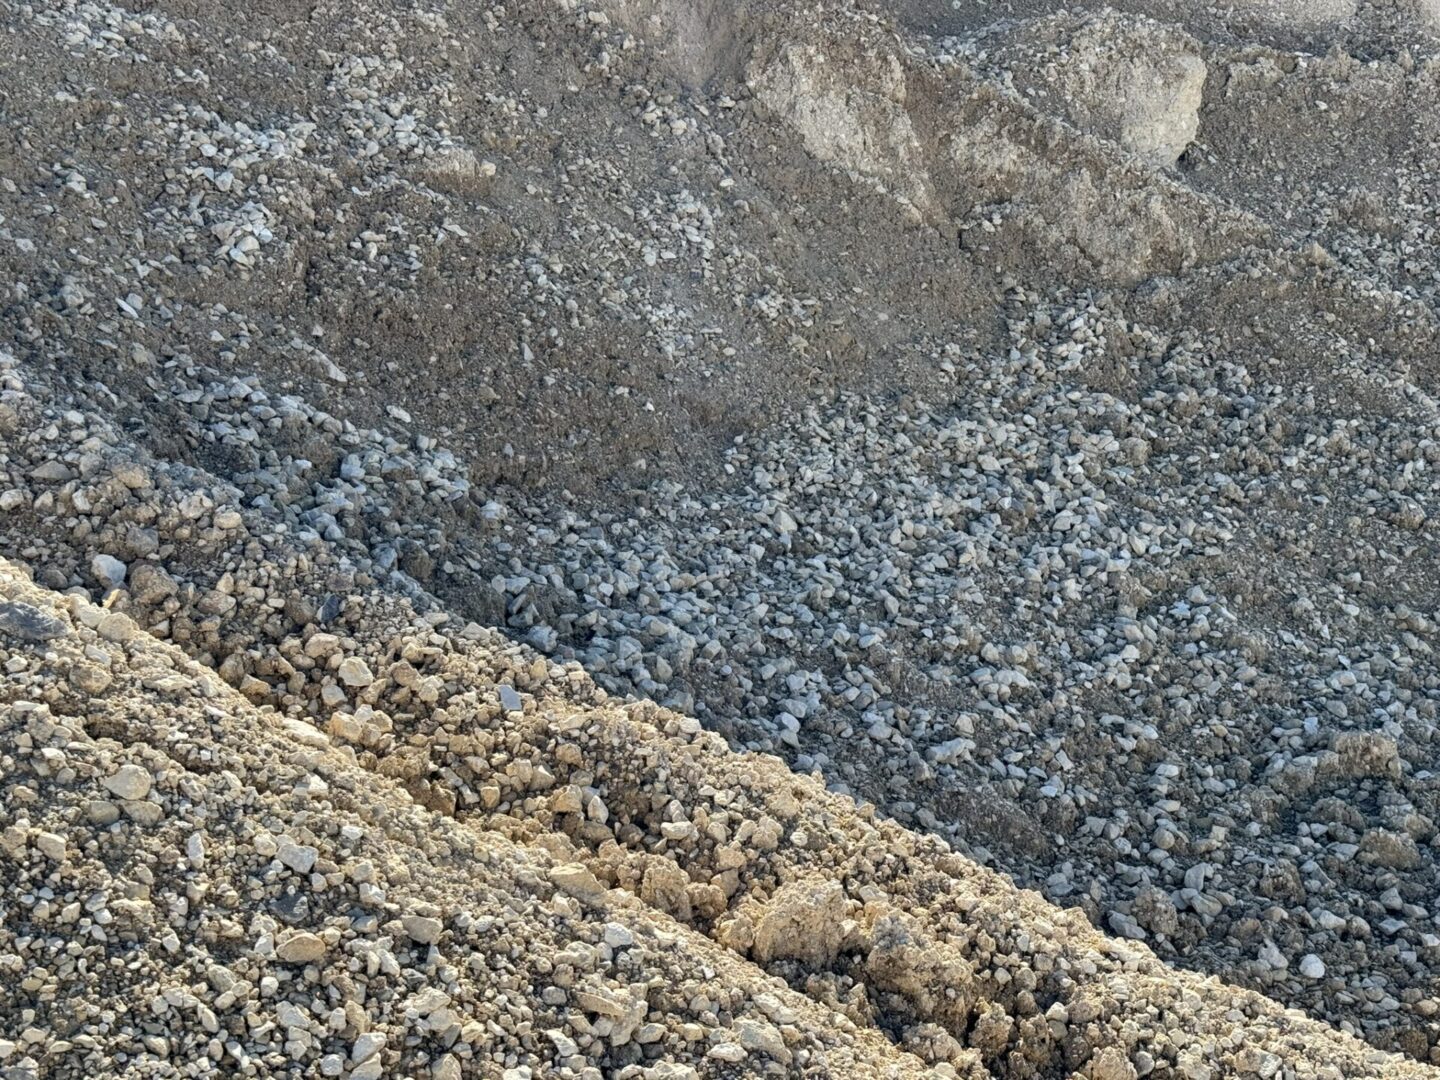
point(102, 812)
point(940, 984)
point(117, 627)
point(423, 929)
point(51, 845)
point(1367, 754)
point(576, 880)
point(298, 857)
point(319, 646)
point(667, 887)
point(756, 1035)
point(1389, 848)
point(1110, 1063)
point(90, 679)
point(300, 948)
point(802, 921)
point(355, 672)
point(130, 782)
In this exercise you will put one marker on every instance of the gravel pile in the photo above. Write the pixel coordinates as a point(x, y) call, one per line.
point(618, 539)
point(1031, 623)
point(423, 850)
point(198, 888)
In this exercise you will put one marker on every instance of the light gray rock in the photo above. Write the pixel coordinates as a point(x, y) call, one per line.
point(109, 571)
point(129, 782)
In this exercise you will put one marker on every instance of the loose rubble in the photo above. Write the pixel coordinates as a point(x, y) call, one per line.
point(627, 539)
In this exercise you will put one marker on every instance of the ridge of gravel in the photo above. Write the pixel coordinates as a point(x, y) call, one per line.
point(148, 802)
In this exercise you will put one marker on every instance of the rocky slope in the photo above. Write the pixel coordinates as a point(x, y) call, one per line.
point(480, 866)
point(617, 539)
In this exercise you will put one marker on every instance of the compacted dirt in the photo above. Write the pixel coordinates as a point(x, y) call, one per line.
point(667, 538)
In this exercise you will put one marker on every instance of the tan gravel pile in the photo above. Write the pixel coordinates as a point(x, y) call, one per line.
point(199, 887)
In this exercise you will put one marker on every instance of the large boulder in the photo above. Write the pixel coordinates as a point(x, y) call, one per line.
point(701, 41)
point(1129, 80)
point(802, 921)
point(848, 104)
point(1295, 14)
